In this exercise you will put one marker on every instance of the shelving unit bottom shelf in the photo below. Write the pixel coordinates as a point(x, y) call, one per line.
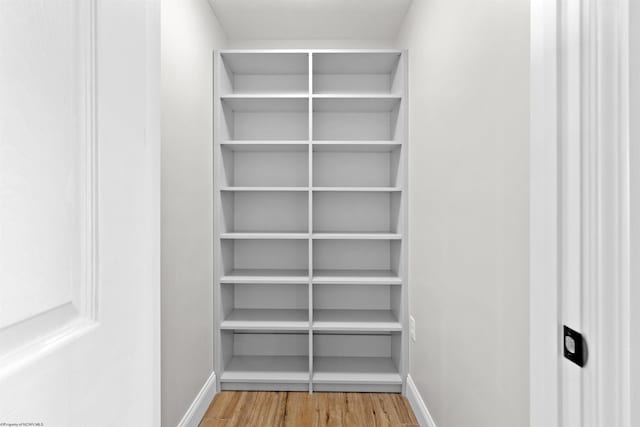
point(355, 370)
point(267, 369)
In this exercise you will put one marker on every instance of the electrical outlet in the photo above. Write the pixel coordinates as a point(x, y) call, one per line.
point(412, 328)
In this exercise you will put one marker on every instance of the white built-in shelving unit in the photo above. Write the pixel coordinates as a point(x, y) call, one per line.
point(310, 220)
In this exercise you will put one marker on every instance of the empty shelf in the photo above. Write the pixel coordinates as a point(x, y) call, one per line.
point(376, 189)
point(261, 319)
point(267, 95)
point(360, 104)
point(264, 235)
point(356, 276)
point(264, 189)
point(267, 146)
point(355, 320)
point(358, 236)
point(356, 95)
point(356, 146)
point(378, 62)
point(355, 370)
point(276, 369)
point(261, 104)
point(266, 276)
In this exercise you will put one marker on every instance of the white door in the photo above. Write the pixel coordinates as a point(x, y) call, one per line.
point(79, 217)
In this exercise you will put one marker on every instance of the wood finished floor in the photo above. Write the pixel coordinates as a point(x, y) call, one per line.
point(300, 409)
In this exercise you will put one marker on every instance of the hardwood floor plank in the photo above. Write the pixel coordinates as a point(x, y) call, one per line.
point(298, 409)
point(223, 405)
point(382, 416)
point(359, 411)
point(268, 410)
point(404, 411)
point(301, 409)
point(243, 410)
point(212, 422)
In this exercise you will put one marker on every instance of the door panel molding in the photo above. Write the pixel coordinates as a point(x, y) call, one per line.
point(45, 331)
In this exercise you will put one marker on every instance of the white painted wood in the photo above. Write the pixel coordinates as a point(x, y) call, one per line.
point(418, 405)
point(356, 236)
point(270, 320)
point(361, 276)
point(265, 276)
point(356, 146)
point(580, 211)
point(354, 255)
point(355, 320)
point(79, 216)
point(257, 146)
point(200, 404)
point(357, 189)
point(295, 211)
point(305, 189)
point(356, 63)
point(270, 236)
point(355, 213)
point(267, 369)
point(279, 212)
point(271, 169)
point(355, 370)
point(355, 169)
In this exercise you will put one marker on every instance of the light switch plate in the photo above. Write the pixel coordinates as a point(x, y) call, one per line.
point(412, 328)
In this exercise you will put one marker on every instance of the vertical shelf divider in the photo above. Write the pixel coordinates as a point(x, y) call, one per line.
point(310, 222)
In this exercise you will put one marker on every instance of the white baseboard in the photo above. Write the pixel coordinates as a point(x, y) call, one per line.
point(417, 404)
point(199, 406)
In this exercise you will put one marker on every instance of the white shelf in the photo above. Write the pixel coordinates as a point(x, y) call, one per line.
point(353, 189)
point(264, 188)
point(267, 320)
point(356, 276)
point(359, 104)
point(265, 276)
point(266, 146)
point(355, 146)
point(265, 95)
point(295, 236)
point(355, 320)
point(346, 62)
point(356, 95)
point(355, 370)
point(357, 236)
point(267, 369)
point(259, 104)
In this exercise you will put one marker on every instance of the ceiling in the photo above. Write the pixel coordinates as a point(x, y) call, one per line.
point(310, 19)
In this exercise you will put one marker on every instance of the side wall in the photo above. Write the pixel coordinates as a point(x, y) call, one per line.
point(468, 166)
point(190, 31)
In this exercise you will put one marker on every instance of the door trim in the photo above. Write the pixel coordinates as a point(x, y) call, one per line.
point(604, 142)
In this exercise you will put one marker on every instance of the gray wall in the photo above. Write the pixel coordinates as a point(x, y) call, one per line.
point(469, 107)
point(190, 31)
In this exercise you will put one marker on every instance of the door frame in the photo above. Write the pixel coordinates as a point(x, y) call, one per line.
point(602, 108)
